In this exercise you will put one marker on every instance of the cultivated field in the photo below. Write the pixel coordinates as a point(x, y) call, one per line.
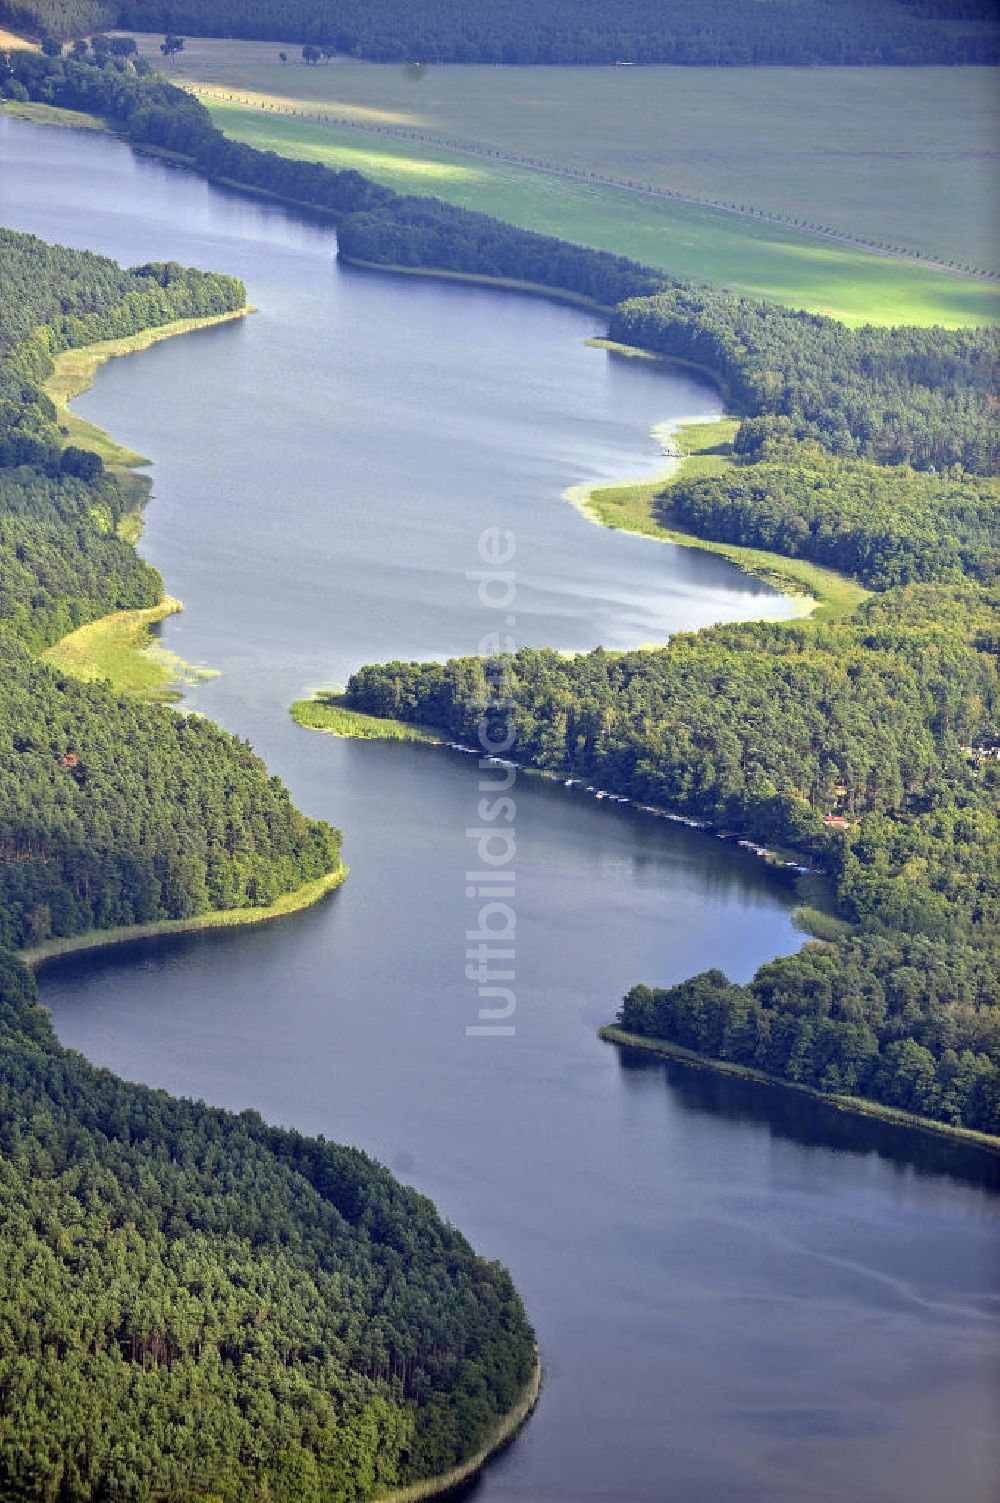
point(706, 245)
point(907, 156)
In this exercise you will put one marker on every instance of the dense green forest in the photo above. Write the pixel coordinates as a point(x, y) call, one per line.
point(872, 451)
point(195, 1306)
point(726, 33)
point(909, 1021)
point(115, 813)
point(199, 1307)
point(62, 562)
point(896, 395)
point(883, 525)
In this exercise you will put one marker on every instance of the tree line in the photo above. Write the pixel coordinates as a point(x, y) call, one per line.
point(373, 222)
point(921, 397)
point(717, 33)
point(907, 1021)
point(62, 560)
point(902, 395)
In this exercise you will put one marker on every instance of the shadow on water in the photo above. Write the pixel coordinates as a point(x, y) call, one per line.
point(810, 1123)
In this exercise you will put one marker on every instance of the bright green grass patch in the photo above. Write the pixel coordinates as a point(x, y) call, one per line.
point(121, 649)
point(708, 447)
point(695, 243)
point(223, 918)
point(73, 374)
point(825, 594)
point(47, 114)
point(326, 711)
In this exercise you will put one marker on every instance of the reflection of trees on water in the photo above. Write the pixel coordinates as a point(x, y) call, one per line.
point(810, 1123)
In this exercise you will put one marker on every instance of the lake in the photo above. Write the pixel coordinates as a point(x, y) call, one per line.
point(738, 1294)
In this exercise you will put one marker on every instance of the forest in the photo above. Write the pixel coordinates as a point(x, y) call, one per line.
point(374, 223)
point(882, 525)
point(869, 746)
point(199, 1308)
point(196, 1308)
point(715, 33)
point(63, 560)
point(111, 813)
point(908, 1021)
point(899, 395)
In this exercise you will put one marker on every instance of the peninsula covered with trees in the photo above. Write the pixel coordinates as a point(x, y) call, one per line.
point(198, 1306)
point(195, 1306)
point(761, 730)
point(714, 33)
point(869, 744)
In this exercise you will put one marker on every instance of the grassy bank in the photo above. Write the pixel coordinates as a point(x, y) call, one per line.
point(74, 374)
point(122, 650)
point(226, 918)
point(707, 445)
point(504, 1432)
point(120, 647)
point(47, 114)
point(326, 711)
point(480, 279)
point(858, 1105)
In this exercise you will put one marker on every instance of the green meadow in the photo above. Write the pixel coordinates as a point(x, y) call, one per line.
point(904, 155)
point(122, 650)
point(759, 257)
point(898, 159)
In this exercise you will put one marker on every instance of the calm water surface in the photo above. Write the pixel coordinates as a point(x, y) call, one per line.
point(738, 1296)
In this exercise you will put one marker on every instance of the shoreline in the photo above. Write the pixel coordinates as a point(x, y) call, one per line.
point(151, 679)
point(359, 725)
point(73, 374)
point(479, 279)
point(306, 896)
point(637, 352)
point(858, 1106)
point(325, 711)
point(120, 649)
point(307, 110)
point(818, 593)
point(504, 1432)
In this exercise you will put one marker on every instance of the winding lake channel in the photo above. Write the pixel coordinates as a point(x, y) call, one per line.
point(739, 1295)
